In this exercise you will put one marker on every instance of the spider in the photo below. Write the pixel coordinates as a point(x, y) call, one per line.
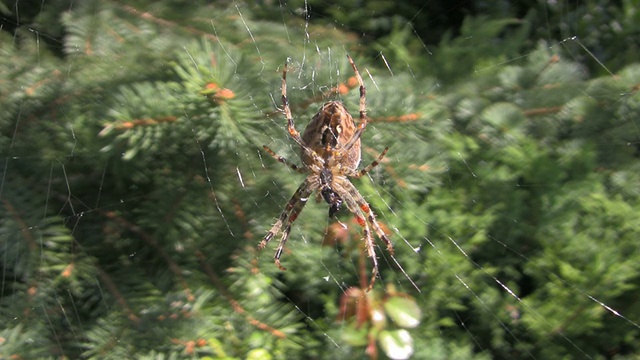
point(330, 154)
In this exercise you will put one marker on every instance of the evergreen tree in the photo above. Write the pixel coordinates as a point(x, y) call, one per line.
point(135, 190)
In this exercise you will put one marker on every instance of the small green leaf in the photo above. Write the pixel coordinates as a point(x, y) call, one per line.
point(403, 311)
point(397, 344)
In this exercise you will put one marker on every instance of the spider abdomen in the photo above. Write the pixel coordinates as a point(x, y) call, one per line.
point(329, 130)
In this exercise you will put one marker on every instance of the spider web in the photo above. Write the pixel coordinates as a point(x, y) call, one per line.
point(433, 244)
point(316, 72)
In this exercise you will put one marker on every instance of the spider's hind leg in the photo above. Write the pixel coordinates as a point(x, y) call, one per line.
point(365, 217)
point(287, 217)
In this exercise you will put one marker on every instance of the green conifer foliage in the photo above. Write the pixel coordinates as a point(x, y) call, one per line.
point(134, 189)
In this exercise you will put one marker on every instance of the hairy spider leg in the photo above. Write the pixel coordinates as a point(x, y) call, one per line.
point(357, 210)
point(363, 108)
point(373, 164)
point(283, 160)
point(287, 110)
point(370, 252)
point(371, 218)
point(290, 125)
point(297, 209)
point(285, 214)
point(286, 218)
point(365, 217)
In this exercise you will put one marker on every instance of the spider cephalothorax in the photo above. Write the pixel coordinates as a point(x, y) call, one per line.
point(330, 153)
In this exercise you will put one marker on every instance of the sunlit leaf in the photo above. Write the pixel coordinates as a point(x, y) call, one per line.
point(259, 354)
point(397, 344)
point(403, 311)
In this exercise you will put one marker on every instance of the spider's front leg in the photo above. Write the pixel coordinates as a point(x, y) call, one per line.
point(363, 108)
point(287, 217)
point(287, 110)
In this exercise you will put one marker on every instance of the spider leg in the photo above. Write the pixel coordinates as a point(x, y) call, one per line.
point(373, 164)
point(370, 251)
point(280, 248)
point(287, 110)
point(353, 206)
point(290, 125)
point(287, 217)
point(365, 217)
point(293, 215)
point(283, 160)
point(363, 108)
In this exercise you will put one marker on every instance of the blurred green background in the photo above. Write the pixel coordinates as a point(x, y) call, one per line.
point(134, 188)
